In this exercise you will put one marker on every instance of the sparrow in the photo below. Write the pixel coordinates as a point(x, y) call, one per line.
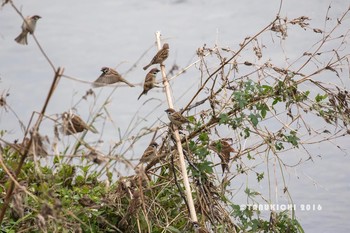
point(28, 25)
point(134, 205)
point(199, 229)
point(223, 149)
point(149, 81)
point(150, 153)
point(109, 76)
point(160, 57)
point(73, 124)
point(176, 118)
point(19, 146)
point(38, 146)
point(86, 201)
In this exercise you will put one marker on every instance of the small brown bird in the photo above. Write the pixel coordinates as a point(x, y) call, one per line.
point(176, 118)
point(223, 149)
point(149, 81)
point(73, 124)
point(134, 205)
point(160, 57)
point(37, 148)
point(199, 229)
point(109, 76)
point(150, 153)
point(28, 26)
point(86, 201)
point(19, 146)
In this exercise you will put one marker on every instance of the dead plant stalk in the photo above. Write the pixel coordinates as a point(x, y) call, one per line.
point(11, 188)
point(178, 142)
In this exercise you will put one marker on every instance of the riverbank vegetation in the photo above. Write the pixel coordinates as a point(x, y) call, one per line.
point(247, 116)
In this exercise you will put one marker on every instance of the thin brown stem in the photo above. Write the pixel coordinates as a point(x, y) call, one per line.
point(10, 190)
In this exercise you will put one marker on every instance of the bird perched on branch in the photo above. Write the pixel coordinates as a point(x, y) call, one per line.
point(38, 146)
point(109, 76)
point(223, 149)
point(28, 25)
point(150, 80)
point(176, 118)
point(150, 153)
point(160, 57)
point(199, 229)
point(73, 124)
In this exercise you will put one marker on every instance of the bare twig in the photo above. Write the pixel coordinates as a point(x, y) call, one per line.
point(36, 41)
point(228, 61)
point(9, 192)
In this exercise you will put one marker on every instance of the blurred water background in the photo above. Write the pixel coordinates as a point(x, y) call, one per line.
point(84, 35)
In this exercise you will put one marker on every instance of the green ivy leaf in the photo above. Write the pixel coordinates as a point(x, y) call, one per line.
point(292, 138)
point(79, 180)
point(246, 133)
point(56, 160)
point(203, 167)
point(192, 119)
point(204, 137)
point(263, 109)
point(251, 193)
point(254, 119)
point(236, 210)
point(85, 189)
point(263, 112)
point(319, 97)
point(266, 89)
point(224, 119)
point(110, 176)
point(202, 152)
point(249, 156)
point(276, 100)
point(240, 98)
point(259, 176)
point(192, 146)
point(279, 146)
point(206, 166)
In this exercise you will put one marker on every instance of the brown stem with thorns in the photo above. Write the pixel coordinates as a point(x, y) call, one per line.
point(11, 188)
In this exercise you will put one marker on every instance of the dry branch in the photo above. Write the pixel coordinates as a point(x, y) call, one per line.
point(9, 192)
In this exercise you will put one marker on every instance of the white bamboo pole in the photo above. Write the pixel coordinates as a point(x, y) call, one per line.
point(178, 141)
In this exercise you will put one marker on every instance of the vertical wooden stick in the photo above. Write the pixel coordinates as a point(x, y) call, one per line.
point(178, 141)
